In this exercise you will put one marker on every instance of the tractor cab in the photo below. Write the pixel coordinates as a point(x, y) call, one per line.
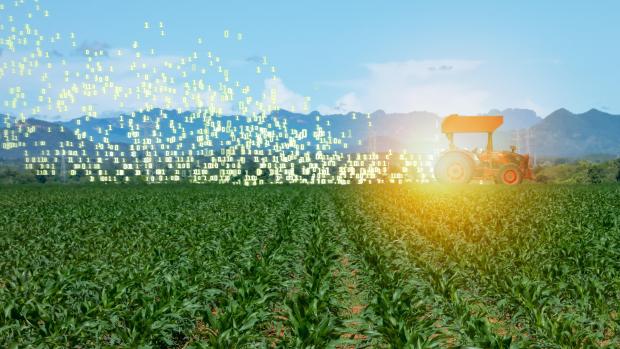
point(461, 166)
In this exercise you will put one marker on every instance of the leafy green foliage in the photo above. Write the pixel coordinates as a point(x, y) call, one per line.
point(582, 171)
point(310, 267)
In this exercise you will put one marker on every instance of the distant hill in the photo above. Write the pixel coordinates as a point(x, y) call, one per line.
point(564, 134)
point(515, 118)
point(34, 137)
point(561, 134)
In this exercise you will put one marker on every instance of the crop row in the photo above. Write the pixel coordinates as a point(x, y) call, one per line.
point(134, 268)
point(300, 266)
point(545, 273)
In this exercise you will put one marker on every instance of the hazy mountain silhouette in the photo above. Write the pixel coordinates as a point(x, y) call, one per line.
point(43, 137)
point(516, 118)
point(565, 134)
point(561, 134)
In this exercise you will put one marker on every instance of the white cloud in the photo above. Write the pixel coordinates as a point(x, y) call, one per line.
point(441, 86)
point(421, 69)
point(348, 102)
point(78, 71)
point(529, 103)
point(277, 95)
point(164, 81)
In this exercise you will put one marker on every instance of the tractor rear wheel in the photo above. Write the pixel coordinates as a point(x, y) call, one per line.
point(455, 168)
point(509, 174)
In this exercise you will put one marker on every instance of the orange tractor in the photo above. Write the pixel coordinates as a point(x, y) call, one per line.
point(461, 166)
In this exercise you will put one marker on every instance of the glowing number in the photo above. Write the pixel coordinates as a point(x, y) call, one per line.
point(171, 84)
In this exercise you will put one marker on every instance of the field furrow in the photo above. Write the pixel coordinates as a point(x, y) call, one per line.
point(367, 266)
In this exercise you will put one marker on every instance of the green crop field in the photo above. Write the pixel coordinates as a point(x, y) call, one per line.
point(310, 266)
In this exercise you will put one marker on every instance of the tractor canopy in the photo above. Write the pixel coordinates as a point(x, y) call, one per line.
point(471, 124)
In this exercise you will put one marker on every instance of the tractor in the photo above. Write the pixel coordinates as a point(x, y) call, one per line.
point(461, 166)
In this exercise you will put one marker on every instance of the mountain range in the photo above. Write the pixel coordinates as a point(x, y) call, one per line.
point(560, 134)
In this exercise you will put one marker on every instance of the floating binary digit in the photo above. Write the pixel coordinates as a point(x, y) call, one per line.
point(187, 117)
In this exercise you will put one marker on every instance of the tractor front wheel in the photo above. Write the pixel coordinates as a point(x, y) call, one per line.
point(455, 168)
point(509, 174)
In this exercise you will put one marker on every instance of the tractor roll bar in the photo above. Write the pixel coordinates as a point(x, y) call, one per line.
point(471, 124)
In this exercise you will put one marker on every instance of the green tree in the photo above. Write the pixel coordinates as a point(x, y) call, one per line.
point(595, 174)
point(265, 173)
point(542, 178)
point(249, 167)
point(80, 176)
point(41, 178)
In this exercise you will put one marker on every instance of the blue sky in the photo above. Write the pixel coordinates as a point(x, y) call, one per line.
point(440, 56)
